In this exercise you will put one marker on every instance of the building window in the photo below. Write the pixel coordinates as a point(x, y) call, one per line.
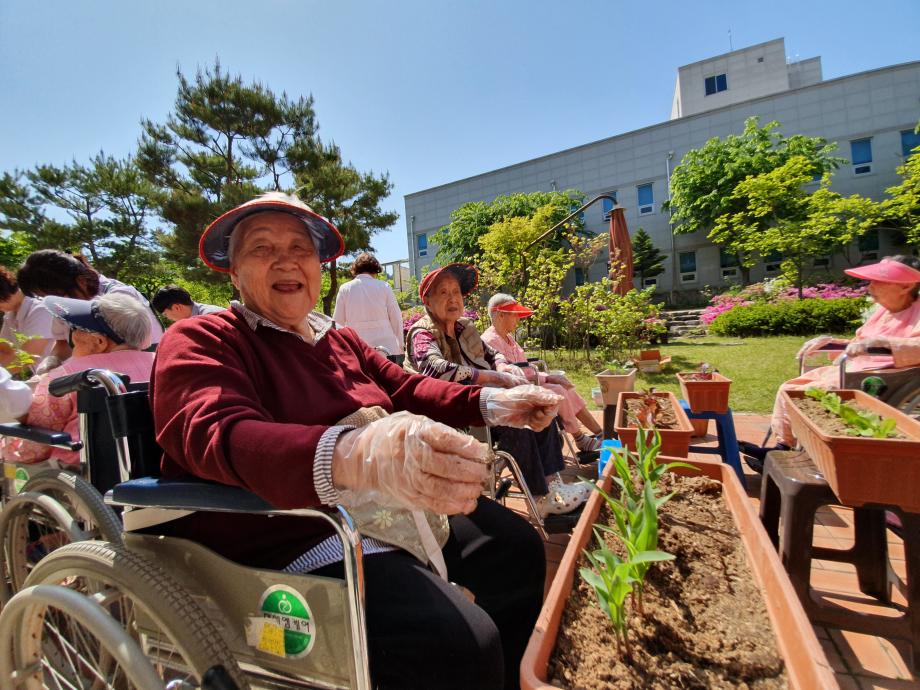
point(822, 261)
point(650, 282)
point(728, 262)
point(579, 276)
point(868, 246)
point(422, 243)
point(687, 262)
point(608, 204)
point(646, 199)
point(861, 156)
point(909, 141)
point(772, 262)
point(716, 84)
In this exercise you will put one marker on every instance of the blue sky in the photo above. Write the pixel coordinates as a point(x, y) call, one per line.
point(429, 90)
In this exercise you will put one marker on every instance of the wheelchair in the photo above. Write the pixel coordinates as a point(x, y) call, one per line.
point(186, 608)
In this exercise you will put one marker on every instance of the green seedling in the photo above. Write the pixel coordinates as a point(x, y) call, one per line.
point(862, 423)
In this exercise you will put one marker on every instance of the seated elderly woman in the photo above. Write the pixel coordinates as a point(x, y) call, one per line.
point(894, 285)
point(270, 397)
point(446, 345)
point(505, 313)
point(108, 332)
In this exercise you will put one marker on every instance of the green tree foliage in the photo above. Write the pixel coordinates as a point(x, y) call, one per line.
point(647, 258)
point(903, 208)
point(703, 185)
point(778, 214)
point(459, 241)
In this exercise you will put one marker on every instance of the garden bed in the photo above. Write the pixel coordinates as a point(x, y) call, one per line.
point(705, 622)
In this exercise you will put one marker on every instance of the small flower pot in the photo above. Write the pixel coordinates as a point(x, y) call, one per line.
point(650, 361)
point(674, 442)
point(807, 666)
point(705, 396)
point(863, 470)
point(700, 427)
point(612, 384)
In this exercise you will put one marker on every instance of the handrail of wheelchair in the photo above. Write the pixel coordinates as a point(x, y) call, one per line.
point(352, 556)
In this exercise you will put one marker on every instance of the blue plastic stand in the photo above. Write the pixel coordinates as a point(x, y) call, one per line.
point(728, 442)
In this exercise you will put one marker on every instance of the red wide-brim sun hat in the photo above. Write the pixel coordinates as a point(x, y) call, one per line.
point(467, 276)
point(886, 271)
point(514, 308)
point(215, 240)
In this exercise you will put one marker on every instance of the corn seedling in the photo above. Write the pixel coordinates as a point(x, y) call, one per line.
point(859, 422)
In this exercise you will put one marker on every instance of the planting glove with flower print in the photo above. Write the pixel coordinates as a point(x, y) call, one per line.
point(410, 461)
point(523, 407)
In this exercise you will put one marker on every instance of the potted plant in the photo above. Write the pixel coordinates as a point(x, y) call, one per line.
point(649, 410)
point(868, 451)
point(552, 645)
point(616, 378)
point(650, 361)
point(705, 390)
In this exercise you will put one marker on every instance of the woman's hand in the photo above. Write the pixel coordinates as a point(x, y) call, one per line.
point(410, 461)
point(529, 407)
point(861, 347)
point(560, 380)
point(516, 373)
point(496, 379)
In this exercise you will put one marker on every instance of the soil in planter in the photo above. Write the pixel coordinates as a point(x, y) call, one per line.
point(705, 623)
point(665, 419)
point(827, 421)
point(697, 377)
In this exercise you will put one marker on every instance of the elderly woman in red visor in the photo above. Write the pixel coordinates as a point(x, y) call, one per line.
point(267, 395)
point(505, 313)
point(446, 345)
point(894, 285)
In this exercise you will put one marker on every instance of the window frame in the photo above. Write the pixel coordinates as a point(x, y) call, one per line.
point(649, 208)
point(687, 276)
point(863, 167)
point(716, 80)
point(905, 151)
point(422, 251)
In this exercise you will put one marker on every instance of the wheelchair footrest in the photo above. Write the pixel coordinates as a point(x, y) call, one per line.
point(185, 494)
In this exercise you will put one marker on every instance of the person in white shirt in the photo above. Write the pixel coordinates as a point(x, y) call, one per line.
point(368, 305)
point(15, 397)
point(175, 303)
point(26, 323)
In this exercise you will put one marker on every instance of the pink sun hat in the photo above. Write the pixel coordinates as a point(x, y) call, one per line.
point(886, 271)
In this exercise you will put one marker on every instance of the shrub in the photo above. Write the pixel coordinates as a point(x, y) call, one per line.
point(791, 317)
point(773, 291)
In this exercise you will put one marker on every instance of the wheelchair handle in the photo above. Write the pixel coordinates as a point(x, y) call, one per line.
point(844, 358)
point(85, 380)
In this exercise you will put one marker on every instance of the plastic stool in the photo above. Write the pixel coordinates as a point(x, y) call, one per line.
point(793, 489)
point(728, 441)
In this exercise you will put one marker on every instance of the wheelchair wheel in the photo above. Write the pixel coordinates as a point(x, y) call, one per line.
point(177, 637)
point(31, 525)
point(82, 500)
point(54, 637)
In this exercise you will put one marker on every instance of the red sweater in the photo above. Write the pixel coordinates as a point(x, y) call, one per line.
point(248, 407)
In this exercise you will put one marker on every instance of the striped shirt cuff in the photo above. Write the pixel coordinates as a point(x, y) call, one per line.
point(484, 395)
point(322, 465)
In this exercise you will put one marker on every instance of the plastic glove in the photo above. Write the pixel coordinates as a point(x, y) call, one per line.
point(516, 373)
point(497, 379)
point(409, 461)
point(814, 344)
point(861, 347)
point(524, 407)
point(560, 380)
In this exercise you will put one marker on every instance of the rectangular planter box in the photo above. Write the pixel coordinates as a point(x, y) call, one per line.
point(864, 470)
point(705, 396)
point(700, 427)
point(806, 665)
point(613, 384)
point(650, 361)
point(674, 442)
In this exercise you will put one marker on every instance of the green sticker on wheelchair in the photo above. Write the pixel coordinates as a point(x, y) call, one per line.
point(20, 479)
point(287, 607)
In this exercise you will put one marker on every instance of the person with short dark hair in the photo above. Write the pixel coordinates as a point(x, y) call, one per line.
point(369, 306)
point(53, 272)
point(175, 303)
point(23, 317)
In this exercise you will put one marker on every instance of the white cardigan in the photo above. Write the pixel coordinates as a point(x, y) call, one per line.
point(369, 306)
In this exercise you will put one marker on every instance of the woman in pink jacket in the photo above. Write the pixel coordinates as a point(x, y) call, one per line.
point(894, 285)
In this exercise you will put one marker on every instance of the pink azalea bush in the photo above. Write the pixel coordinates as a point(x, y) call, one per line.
point(760, 292)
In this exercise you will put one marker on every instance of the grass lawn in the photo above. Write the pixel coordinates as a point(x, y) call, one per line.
point(756, 367)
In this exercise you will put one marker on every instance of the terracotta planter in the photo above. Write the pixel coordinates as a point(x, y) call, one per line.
point(864, 470)
point(705, 396)
point(700, 427)
point(650, 361)
point(613, 384)
point(806, 665)
point(674, 442)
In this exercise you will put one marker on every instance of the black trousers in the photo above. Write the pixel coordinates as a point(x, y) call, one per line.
point(424, 633)
point(538, 453)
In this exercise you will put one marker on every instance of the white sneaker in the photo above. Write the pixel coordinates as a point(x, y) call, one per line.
point(561, 498)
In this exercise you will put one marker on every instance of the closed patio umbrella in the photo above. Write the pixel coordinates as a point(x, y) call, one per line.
point(620, 251)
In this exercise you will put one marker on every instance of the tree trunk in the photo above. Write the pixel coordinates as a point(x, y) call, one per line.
point(800, 271)
point(333, 288)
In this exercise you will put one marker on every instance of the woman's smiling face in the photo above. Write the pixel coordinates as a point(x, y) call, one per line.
point(276, 268)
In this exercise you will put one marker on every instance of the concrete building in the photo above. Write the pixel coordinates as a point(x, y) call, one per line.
point(871, 116)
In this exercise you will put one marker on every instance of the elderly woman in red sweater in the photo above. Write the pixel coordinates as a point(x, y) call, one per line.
point(269, 396)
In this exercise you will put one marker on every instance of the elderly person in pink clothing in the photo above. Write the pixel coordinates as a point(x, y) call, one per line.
point(505, 313)
point(894, 285)
point(105, 333)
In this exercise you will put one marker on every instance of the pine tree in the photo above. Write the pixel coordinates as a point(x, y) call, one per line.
point(647, 259)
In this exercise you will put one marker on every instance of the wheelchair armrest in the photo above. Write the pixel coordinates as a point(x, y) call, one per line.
point(186, 494)
point(38, 434)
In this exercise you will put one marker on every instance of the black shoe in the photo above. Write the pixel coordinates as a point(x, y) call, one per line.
point(755, 455)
